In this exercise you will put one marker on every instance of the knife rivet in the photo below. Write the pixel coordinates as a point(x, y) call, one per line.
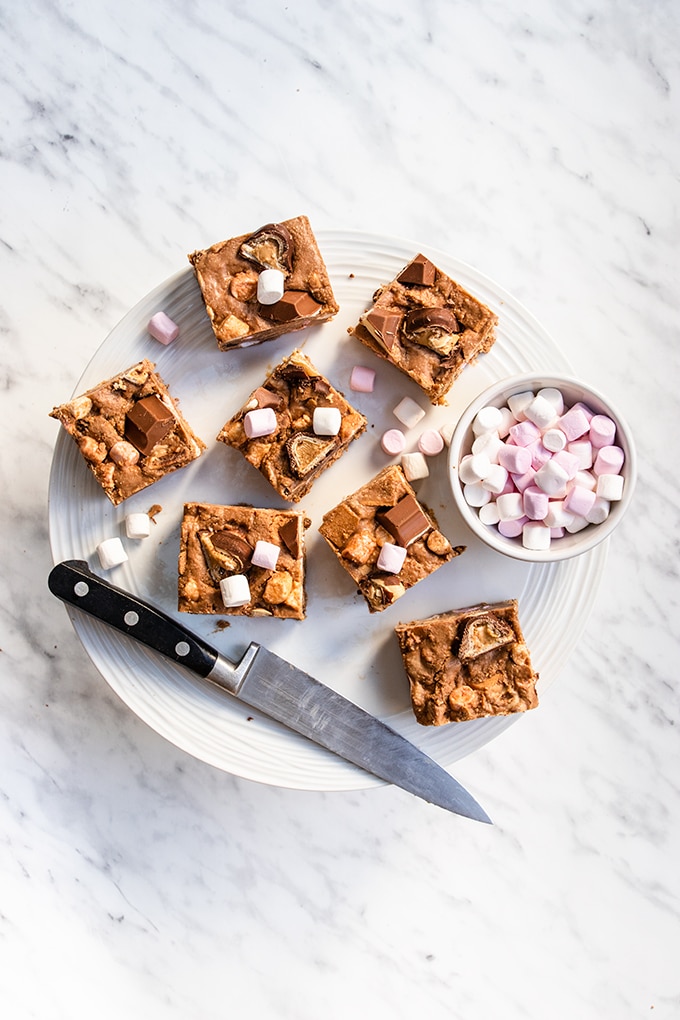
point(131, 618)
point(81, 588)
point(182, 648)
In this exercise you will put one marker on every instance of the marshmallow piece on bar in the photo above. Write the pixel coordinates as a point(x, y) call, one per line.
point(265, 555)
point(326, 421)
point(235, 590)
point(414, 466)
point(362, 379)
point(391, 558)
point(111, 553)
point(260, 422)
point(137, 525)
point(162, 328)
point(409, 412)
point(270, 286)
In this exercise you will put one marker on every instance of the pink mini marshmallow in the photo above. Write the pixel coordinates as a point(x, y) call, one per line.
point(430, 443)
point(511, 529)
point(567, 461)
point(556, 533)
point(391, 558)
point(260, 422)
point(162, 328)
point(609, 460)
point(522, 481)
point(602, 431)
point(265, 555)
point(584, 409)
point(524, 433)
point(539, 454)
point(362, 379)
point(579, 501)
point(515, 459)
point(393, 442)
point(574, 423)
point(535, 503)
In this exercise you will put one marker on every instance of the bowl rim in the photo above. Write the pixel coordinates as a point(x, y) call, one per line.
point(571, 545)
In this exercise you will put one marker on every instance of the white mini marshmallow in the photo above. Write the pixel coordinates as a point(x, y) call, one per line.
point(326, 421)
point(555, 397)
point(585, 478)
point(557, 516)
point(391, 558)
point(265, 554)
point(510, 507)
point(541, 412)
point(576, 524)
point(551, 478)
point(137, 525)
point(582, 449)
point(260, 422)
point(610, 487)
point(536, 536)
point(362, 379)
point(518, 403)
point(408, 412)
point(554, 440)
point(270, 285)
point(490, 444)
point(599, 511)
point(414, 466)
point(111, 553)
point(465, 471)
point(487, 419)
point(476, 495)
point(393, 442)
point(488, 514)
point(446, 431)
point(507, 419)
point(480, 466)
point(494, 481)
point(162, 328)
point(430, 443)
point(235, 590)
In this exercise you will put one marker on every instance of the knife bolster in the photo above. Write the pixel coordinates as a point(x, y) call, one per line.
point(231, 676)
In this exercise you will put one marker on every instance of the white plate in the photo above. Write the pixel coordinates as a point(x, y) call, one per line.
point(339, 642)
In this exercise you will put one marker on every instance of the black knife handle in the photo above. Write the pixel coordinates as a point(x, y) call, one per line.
point(73, 582)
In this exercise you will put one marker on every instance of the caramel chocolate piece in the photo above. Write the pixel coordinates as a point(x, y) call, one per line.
point(384, 326)
point(306, 452)
point(147, 422)
point(270, 247)
point(419, 271)
point(405, 522)
point(484, 634)
point(295, 304)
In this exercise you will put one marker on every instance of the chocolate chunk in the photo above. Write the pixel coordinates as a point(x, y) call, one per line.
point(384, 589)
point(405, 522)
point(305, 452)
point(265, 398)
point(147, 422)
point(435, 328)
point(270, 247)
point(419, 271)
point(383, 326)
point(289, 534)
point(295, 304)
point(226, 552)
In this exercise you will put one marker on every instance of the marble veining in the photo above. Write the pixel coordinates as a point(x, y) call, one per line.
point(541, 145)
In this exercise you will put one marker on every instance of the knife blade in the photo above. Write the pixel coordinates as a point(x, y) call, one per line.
point(267, 682)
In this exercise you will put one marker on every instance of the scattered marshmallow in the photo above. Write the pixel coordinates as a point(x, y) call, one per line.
point(430, 443)
point(391, 558)
point(446, 431)
point(270, 285)
point(111, 553)
point(414, 466)
point(235, 591)
point(162, 328)
point(326, 421)
point(362, 379)
point(137, 525)
point(409, 412)
point(265, 555)
point(393, 442)
point(260, 422)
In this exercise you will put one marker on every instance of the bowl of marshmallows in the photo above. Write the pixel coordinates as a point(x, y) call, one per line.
point(542, 468)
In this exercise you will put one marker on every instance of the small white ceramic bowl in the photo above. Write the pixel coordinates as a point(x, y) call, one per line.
point(570, 544)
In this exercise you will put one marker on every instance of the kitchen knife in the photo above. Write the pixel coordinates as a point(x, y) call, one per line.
point(276, 687)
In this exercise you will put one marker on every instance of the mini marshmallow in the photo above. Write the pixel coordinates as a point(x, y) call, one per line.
point(480, 466)
point(582, 449)
point(585, 478)
point(465, 471)
point(522, 481)
point(507, 419)
point(541, 412)
point(609, 460)
point(235, 591)
point(580, 406)
point(539, 454)
point(511, 529)
point(524, 433)
point(408, 412)
point(446, 431)
point(490, 444)
point(535, 503)
point(430, 443)
point(610, 487)
point(488, 514)
point(557, 516)
point(554, 396)
point(111, 553)
point(515, 459)
point(475, 495)
point(579, 501)
point(260, 422)
point(362, 379)
point(574, 423)
point(270, 285)
point(599, 511)
point(554, 440)
point(391, 558)
point(265, 554)
point(326, 421)
point(162, 328)
point(557, 533)
point(518, 402)
point(567, 461)
point(393, 442)
point(487, 419)
point(576, 524)
point(551, 478)
point(414, 466)
point(510, 506)
point(602, 431)
point(495, 480)
point(137, 525)
point(536, 536)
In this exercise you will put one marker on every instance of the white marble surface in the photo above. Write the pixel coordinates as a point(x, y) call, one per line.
point(538, 142)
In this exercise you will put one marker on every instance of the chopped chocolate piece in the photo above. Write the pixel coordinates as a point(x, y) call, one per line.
point(467, 664)
point(265, 398)
point(216, 544)
point(419, 271)
point(270, 247)
point(443, 327)
point(293, 456)
point(384, 326)
point(294, 304)
point(228, 280)
point(358, 527)
point(147, 422)
point(98, 421)
point(405, 522)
